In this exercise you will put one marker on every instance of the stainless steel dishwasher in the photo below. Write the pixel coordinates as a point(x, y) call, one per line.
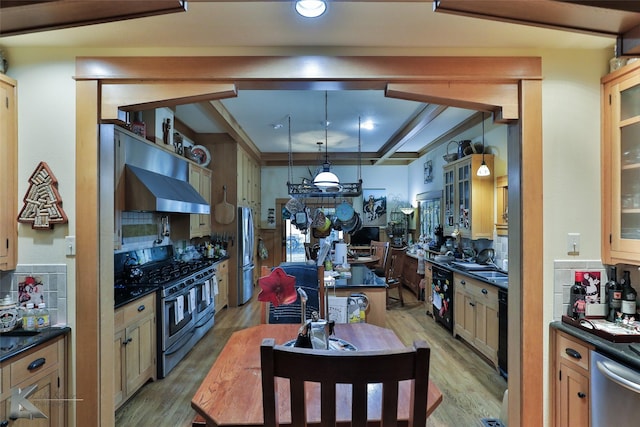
point(615, 393)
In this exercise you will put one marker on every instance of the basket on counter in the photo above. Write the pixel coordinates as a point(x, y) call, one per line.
point(450, 157)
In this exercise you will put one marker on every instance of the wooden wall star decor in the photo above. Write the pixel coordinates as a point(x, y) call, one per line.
point(42, 203)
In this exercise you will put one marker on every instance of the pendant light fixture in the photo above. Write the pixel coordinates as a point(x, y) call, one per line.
point(483, 170)
point(326, 180)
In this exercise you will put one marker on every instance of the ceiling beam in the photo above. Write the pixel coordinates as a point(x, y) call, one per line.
point(23, 17)
point(219, 114)
point(421, 120)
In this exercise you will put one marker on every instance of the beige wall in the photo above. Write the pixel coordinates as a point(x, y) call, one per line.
point(571, 126)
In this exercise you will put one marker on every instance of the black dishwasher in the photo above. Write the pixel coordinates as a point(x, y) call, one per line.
point(442, 296)
point(502, 331)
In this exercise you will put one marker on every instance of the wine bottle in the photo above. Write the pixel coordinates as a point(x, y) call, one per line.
point(629, 296)
point(577, 301)
point(613, 294)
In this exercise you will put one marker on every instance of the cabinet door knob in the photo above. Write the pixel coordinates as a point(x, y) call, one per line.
point(127, 341)
point(484, 291)
point(462, 282)
point(581, 395)
point(141, 308)
point(472, 304)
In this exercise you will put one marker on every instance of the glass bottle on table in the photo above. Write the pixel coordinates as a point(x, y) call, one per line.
point(577, 300)
point(629, 295)
point(613, 294)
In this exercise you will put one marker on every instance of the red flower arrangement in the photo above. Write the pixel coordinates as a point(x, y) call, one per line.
point(277, 288)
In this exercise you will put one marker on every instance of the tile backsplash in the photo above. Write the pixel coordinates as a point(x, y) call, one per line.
point(564, 278)
point(39, 283)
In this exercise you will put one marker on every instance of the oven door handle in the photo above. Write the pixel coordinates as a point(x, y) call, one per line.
point(176, 298)
point(620, 375)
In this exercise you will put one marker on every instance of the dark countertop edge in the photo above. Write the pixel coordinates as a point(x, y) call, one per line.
point(43, 337)
point(468, 273)
point(123, 303)
point(129, 301)
point(621, 352)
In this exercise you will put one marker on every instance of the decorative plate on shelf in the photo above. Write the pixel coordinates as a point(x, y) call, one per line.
point(201, 155)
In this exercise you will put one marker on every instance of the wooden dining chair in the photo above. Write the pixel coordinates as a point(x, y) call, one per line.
point(394, 271)
point(380, 250)
point(364, 371)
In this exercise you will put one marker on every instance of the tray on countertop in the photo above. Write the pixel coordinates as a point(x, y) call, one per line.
point(604, 329)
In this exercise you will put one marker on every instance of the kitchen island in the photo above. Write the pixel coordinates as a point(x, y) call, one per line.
point(363, 282)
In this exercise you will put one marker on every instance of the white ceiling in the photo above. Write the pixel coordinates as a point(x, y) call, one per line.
point(238, 28)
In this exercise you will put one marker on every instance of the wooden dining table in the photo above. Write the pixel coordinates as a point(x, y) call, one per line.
point(231, 393)
point(368, 260)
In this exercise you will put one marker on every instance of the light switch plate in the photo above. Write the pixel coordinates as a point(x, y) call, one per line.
point(70, 244)
point(573, 244)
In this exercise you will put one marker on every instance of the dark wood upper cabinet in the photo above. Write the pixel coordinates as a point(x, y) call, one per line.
point(19, 17)
point(619, 19)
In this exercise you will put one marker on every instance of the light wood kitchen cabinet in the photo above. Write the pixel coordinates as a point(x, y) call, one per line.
point(222, 276)
point(476, 315)
point(134, 347)
point(620, 166)
point(468, 198)
point(249, 181)
point(42, 367)
point(200, 179)
point(571, 383)
point(237, 169)
point(8, 173)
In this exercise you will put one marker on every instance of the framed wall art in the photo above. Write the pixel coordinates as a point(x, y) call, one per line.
point(374, 207)
point(428, 171)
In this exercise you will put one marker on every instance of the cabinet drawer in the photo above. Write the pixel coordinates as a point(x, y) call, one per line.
point(43, 359)
point(572, 351)
point(139, 309)
point(223, 267)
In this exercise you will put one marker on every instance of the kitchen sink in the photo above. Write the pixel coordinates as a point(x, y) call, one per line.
point(493, 276)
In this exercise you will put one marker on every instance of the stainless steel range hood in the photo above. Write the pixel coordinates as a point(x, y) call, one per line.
point(156, 181)
point(150, 191)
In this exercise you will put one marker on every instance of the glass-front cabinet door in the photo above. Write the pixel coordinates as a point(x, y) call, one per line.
point(449, 195)
point(621, 170)
point(469, 198)
point(430, 213)
point(464, 196)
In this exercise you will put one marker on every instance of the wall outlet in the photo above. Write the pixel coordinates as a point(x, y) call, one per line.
point(70, 244)
point(573, 244)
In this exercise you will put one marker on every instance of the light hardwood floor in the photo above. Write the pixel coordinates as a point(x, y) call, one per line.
point(471, 388)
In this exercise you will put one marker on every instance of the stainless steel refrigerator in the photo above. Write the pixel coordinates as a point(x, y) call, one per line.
point(245, 254)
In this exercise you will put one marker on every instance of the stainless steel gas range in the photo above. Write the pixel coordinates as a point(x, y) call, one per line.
point(185, 290)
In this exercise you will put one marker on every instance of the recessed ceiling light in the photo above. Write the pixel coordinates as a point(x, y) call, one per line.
point(311, 8)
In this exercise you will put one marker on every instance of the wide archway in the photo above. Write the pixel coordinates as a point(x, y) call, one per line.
point(511, 87)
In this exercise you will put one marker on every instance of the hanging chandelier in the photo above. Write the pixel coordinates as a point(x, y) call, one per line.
point(326, 180)
point(325, 183)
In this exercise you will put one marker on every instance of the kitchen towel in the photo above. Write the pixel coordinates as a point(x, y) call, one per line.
point(179, 308)
point(192, 299)
point(206, 295)
point(215, 285)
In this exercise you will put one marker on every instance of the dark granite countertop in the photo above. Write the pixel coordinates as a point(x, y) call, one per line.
point(621, 352)
point(146, 290)
point(470, 273)
point(15, 342)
